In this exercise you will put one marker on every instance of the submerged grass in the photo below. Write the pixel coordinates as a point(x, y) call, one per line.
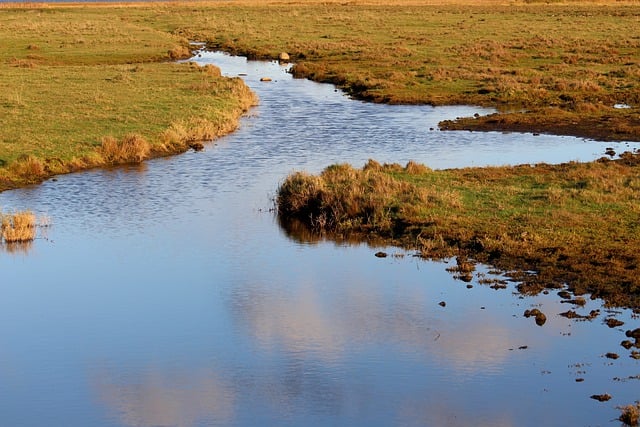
point(572, 224)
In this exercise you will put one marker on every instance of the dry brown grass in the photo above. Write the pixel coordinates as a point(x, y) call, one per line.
point(132, 148)
point(630, 414)
point(345, 198)
point(18, 227)
point(573, 224)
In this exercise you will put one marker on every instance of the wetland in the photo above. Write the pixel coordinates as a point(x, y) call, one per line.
point(167, 294)
point(169, 291)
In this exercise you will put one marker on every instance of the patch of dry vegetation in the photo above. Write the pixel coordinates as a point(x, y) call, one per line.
point(572, 224)
point(19, 227)
point(551, 59)
point(630, 414)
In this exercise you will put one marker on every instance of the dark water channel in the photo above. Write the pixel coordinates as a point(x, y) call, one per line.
point(167, 295)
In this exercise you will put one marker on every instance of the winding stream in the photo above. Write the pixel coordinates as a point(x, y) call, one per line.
point(166, 294)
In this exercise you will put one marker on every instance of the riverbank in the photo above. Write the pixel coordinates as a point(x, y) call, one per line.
point(82, 88)
point(571, 225)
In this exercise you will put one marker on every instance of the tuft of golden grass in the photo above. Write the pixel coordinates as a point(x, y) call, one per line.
point(630, 415)
point(132, 148)
point(18, 227)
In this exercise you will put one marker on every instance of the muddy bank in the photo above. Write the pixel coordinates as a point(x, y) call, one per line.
point(610, 126)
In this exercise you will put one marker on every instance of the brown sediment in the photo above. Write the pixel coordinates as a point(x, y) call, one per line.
point(612, 125)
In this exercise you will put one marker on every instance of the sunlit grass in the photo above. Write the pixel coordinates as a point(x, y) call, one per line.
point(76, 79)
point(574, 224)
point(18, 227)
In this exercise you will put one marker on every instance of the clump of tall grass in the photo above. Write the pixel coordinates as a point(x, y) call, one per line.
point(630, 414)
point(18, 227)
point(28, 168)
point(133, 148)
point(342, 197)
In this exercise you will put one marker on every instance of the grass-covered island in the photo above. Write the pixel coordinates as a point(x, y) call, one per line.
point(574, 225)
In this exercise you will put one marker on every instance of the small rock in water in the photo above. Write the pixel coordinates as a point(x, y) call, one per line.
point(633, 333)
point(381, 254)
point(541, 319)
point(626, 344)
point(613, 356)
point(442, 304)
point(612, 323)
point(601, 397)
point(196, 146)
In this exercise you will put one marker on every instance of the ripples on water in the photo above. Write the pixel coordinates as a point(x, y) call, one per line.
point(166, 294)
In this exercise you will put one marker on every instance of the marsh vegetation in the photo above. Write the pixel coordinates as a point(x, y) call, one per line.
point(573, 224)
point(84, 88)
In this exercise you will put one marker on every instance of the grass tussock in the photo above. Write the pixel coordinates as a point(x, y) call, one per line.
point(345, 198)
point(573, 224)
point(19, 227)
point(132, 148)
point(630, 415)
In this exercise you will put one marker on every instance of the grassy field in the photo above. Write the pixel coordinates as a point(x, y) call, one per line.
point(548, 63)
point(76, 79)
point(572, 224)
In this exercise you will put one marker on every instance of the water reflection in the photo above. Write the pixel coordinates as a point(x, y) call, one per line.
point(164, 397)
point(16, 248)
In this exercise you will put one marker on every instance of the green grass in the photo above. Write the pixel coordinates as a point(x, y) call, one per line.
point(75, 77)
point(574, 224)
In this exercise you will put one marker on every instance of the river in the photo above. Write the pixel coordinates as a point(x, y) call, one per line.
point(166, 294)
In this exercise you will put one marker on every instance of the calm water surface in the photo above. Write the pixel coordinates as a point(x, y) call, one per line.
point(167, 295)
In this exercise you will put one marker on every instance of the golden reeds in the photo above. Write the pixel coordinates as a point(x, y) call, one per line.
point(132, 148)
point(630, 414)
point(18, 227)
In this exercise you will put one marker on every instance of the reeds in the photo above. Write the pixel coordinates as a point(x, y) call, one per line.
point(133, 148)
point(18, 227)
point(630, 414)
point(343, 197)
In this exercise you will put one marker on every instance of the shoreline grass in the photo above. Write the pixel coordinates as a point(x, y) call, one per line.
point(542, 64)
point(574, 224)
point(82, 88)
